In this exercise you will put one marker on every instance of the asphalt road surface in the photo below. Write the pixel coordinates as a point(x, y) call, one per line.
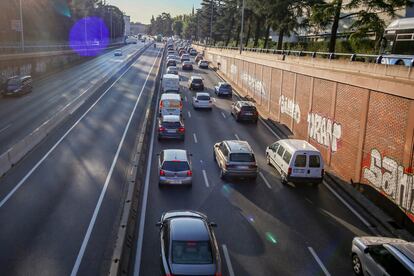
point(264, 228)
point(60, 207)
point(19, 116)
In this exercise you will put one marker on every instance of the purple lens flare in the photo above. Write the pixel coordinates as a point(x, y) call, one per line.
point(89, 36)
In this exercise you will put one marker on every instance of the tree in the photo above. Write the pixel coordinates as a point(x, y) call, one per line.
point(178, 26)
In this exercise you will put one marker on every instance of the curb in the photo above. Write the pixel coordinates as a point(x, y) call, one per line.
point(19, 150)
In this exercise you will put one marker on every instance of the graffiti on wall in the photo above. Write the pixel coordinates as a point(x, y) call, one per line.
point(324, 131)
point(290, 108)
point(254, 84)
point(391, 179)
point(40, 67)
point(233, 69)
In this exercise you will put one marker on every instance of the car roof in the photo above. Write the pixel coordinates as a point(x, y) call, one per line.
point(245, 103)
point(175, 154)
point(296, 144)
point(170, 118)
point(170, 96)
point(202, 94)
point(171, 76)
point(172, 68)
point(187, 62)
point(189, 229)
point(237, 146)
point(407, 249)
point(196, 78)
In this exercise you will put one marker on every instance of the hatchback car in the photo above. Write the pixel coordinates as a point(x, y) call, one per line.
point(223, 89)
point(171, 62)
point(382, 256)
point(172, 70)
point(171, 127)
point(235, 159)
point(18, 85)
point(185, 57)
point(203, 64)
point(193, 52)
point(118, 53)
point(187, 65)
point(195, 83)
point(174, 167)
point(244, 111)
point(188, 244)
point(202, 100)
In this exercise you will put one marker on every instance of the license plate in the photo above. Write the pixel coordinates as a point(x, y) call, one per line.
point(298, 171)
point(248, 113)
point(171, 131)
point(175, 181)
point(242, 167)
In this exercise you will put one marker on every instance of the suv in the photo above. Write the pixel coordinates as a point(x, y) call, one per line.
point(244, 111)
point(223, 89)
point(174, 167)
point(188, 244)
point(171, 126)
point(382, 256)
point(195, 83)
point(203, 64)
point(235, 158)
point(18, 85)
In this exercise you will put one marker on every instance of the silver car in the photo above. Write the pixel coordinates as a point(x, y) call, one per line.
point(172, 70)
point(202, 100)
point(382, 256)
point(174, 167)
point(235, 159)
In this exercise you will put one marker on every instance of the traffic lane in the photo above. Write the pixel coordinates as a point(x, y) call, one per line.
point(49, 214)
point(314, 205)
point(99, 252)
point(24, 114)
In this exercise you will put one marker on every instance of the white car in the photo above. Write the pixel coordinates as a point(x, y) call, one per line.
point(117, 53)
point(202, 100)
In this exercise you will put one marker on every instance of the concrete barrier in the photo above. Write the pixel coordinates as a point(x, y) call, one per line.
point(5, 164)
point(18, 151)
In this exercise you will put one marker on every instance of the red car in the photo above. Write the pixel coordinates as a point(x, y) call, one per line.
point(187, 65)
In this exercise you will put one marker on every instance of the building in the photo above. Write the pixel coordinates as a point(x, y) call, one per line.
point(127, 21)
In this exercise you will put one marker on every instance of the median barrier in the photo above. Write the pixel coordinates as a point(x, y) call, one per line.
point(5, 164)
point(18, 151)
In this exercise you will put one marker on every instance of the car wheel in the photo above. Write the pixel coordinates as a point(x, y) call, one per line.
point(284, 180)
point(222, 174)
point(268, 159)
point(356, 265)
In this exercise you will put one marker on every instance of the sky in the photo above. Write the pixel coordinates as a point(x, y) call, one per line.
point(142, 10)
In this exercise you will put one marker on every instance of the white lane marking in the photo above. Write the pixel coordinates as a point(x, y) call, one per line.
point(21, 182)
point(195, 138)
point(137, 264)
point(205, 178)
point(347, 205)
point(108, 178)
point(228, 262)
point(237, 136)
point(265, 180)
point(325, 271)
point(189, 114)
point(269, 128)
point(224, 115)
point(6, 127)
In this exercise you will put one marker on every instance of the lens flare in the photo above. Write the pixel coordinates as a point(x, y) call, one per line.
point(61, 6)
point(89, 36)
point(270, 237)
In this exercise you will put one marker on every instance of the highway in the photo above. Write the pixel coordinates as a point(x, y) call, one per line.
point(264, 228)
point(60, 206)
point(19, 116)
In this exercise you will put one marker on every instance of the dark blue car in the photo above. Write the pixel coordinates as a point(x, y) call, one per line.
point(223, 89)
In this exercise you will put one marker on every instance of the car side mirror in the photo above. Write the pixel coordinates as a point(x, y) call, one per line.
point(366, 250)
point(213, 224)
point(158, 224)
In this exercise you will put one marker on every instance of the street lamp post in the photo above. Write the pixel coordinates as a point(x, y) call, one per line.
point(242, 28)
point(21, 26)
point(211, 22)
point(111, 26)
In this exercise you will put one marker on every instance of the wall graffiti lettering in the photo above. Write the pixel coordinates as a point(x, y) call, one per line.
point(233, 69)
point(324, 131)
point(387, 176)
point(290, 108)
point(253, 83)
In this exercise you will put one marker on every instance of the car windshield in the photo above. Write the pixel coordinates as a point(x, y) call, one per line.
point(242, 157)
point(175, 166)
point(225, 86)
point(198, 81)
point(191, 252)
point(203, 98)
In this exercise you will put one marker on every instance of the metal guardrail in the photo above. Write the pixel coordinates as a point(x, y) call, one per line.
point(327, 55)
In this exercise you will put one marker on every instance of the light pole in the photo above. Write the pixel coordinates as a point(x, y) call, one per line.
point(242, 28)
point(211, 22)
point(21, 26)
point(111, 25)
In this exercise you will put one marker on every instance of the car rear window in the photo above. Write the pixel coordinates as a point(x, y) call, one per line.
point(242, 157)
point(203, 98)
point(197, 81)
point(248, 108)
point(287, 156)
point(300, 161)
point(314, 161)
point(225, 86)
point(191, 252)
point(171, 124)
point(175, 166)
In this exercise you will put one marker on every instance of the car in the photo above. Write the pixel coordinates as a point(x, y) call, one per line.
point(223, 89)
point(118, 53)
point(187, 65)
point(203, 64)
point(174, 167)
point(172, 70)
point(382, 256)
point(235, 159)
point(202, 100)
point(171, 127)
point(170, 103)
point(171, 62)
point(198, 58)
point(193, 52)
point(195, 83)
point(18, 85)
point(188, 244)
point(185, 57)
point(244, 111)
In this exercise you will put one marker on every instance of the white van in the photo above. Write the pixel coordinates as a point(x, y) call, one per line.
point(170, 104)
point(296, 160)
point(170, 83)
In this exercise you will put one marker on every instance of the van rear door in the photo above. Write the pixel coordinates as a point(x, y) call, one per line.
point(315, 165)
point(299, 165)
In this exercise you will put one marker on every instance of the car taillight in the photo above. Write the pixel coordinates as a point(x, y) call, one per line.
point(161, 105)
point(289, 171)
point(181, 129)
point(161, 129)
point(181, 104)
point(322, 172)
point(218, 274)
point(189, 173)
point(162, 173)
